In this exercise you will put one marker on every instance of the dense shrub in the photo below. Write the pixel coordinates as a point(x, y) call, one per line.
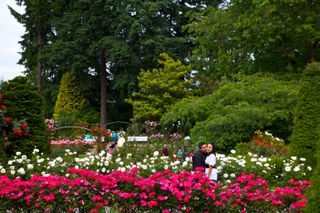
point(237, 109)
point(26, 103)
point(306, 127)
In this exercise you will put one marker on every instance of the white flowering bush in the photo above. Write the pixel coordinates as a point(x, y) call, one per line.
point(274, 169)
point(22, 166)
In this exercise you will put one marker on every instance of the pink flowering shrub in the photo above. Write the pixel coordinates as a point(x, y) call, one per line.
point(161, 192)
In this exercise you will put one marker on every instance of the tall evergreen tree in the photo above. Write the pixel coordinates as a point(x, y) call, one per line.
point(306, 134)
point(36, 20)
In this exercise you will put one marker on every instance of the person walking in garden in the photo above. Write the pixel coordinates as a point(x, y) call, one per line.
point(184, 153)
point(211, 161)
point(199, 157)
point(165, 150)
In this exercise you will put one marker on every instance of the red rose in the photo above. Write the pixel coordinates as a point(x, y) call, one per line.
point(24, 126)
point(17, 132)
point(3, 107)
point(8, 119)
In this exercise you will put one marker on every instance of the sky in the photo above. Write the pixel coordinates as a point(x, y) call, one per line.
point(10, 34)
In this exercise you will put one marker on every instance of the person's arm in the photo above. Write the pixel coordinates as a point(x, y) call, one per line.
point(210, 170)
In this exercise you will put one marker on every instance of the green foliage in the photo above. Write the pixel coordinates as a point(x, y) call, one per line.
point(237, 109)
point(306, 127)
point(69, 99)
point(160, 88)
point(26, 103)
point(257, 36)
point(188, 111)
point(313, 193)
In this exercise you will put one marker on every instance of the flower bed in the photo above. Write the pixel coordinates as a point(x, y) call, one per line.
point(163, 191)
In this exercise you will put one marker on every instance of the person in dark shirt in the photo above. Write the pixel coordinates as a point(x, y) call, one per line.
point(199, 157)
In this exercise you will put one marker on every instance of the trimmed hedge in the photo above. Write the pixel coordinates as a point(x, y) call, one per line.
point(306, 132)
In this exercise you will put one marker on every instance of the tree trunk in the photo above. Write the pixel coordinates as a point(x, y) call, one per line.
point(103, 91)
point(39, 65)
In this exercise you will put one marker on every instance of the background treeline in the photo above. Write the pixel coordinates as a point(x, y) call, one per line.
point(234, 65)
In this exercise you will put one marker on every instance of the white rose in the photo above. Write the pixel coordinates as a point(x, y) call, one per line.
point(294, 157)
point(153, 171)
point(287, 168)
point(156, 153)
point(309, 168)
point(18, 153)
point(3, 171)
point(296, 169)
point(232, 175)
point(30, 166)
point(12, 172)
point(233, 151)
point(225, 175)
point(21, 171)
point(10, 162)
point(303, 159)
point(253, 159)
point(19, 160)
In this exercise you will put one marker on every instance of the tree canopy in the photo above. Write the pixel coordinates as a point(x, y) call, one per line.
point(159, 88)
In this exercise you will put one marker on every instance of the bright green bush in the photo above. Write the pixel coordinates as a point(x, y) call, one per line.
point(26, 103)
point(69, 99)
point(306, 134)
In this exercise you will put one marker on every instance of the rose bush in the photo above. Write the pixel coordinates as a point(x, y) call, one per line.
point(10, 128)
point(163, 191)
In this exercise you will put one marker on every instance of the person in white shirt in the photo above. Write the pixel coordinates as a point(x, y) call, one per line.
point(211, 161)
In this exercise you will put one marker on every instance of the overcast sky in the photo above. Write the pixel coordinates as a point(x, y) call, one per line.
point(10, 33)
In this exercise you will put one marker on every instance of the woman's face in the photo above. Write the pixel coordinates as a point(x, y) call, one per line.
point(209, 148)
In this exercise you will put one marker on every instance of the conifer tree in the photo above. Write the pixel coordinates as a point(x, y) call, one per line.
point(306, 133)
point(70, 99)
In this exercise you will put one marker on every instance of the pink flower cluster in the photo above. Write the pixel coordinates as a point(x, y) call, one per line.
point(71, 142)
point(163, 191)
